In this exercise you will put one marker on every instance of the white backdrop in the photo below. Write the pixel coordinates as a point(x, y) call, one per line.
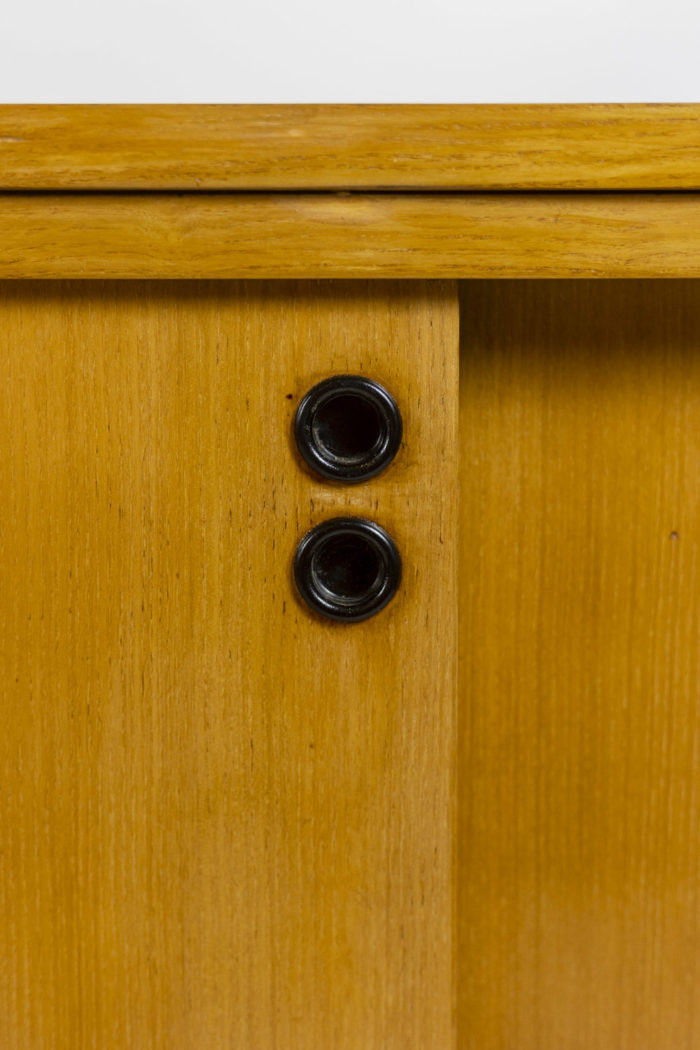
point(364, 51)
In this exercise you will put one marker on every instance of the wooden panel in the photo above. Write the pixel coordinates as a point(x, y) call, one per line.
point(350, 147)
point(223, 822)
point(316, 235)
point(580, 657)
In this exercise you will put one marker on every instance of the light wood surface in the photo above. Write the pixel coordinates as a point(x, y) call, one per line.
point(579, 844)
point(355, 235)
point(223, 822)
point(350, 147)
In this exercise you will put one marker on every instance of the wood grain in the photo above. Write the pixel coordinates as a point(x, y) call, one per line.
point(580, 666)
point(316, 235)
point(458, 147)
point(223, 822)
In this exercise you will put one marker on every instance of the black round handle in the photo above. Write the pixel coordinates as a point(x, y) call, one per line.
point(348, 428)
point(347, 568)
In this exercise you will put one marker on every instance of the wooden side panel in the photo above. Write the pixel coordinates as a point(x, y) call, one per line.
point(452, 147)
point(223, 822)
point(579, 844)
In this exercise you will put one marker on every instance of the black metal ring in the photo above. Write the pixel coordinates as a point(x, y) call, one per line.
point(347, 568)
point(348, 428)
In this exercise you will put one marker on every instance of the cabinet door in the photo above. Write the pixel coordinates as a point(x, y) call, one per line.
point(224, 821)
point(579, 843)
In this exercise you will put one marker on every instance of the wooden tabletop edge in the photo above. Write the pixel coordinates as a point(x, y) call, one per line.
point(385, 148)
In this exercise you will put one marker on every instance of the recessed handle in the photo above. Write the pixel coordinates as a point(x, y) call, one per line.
point(347, 568)
point(348, 428)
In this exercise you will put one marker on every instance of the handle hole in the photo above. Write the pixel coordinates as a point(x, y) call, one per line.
point(348, 427)
point(347, 569)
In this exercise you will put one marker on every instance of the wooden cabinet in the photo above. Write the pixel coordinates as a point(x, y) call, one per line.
point(471, 821)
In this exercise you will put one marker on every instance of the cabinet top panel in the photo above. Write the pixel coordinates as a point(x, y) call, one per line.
point(350, 147)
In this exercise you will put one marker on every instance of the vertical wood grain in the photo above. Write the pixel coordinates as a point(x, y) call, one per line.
point(223, 822)
point(579, 767)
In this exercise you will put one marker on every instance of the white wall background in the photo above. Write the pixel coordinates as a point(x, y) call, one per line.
point(354, 51)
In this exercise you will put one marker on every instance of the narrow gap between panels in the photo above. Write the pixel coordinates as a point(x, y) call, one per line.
point(401, 191)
